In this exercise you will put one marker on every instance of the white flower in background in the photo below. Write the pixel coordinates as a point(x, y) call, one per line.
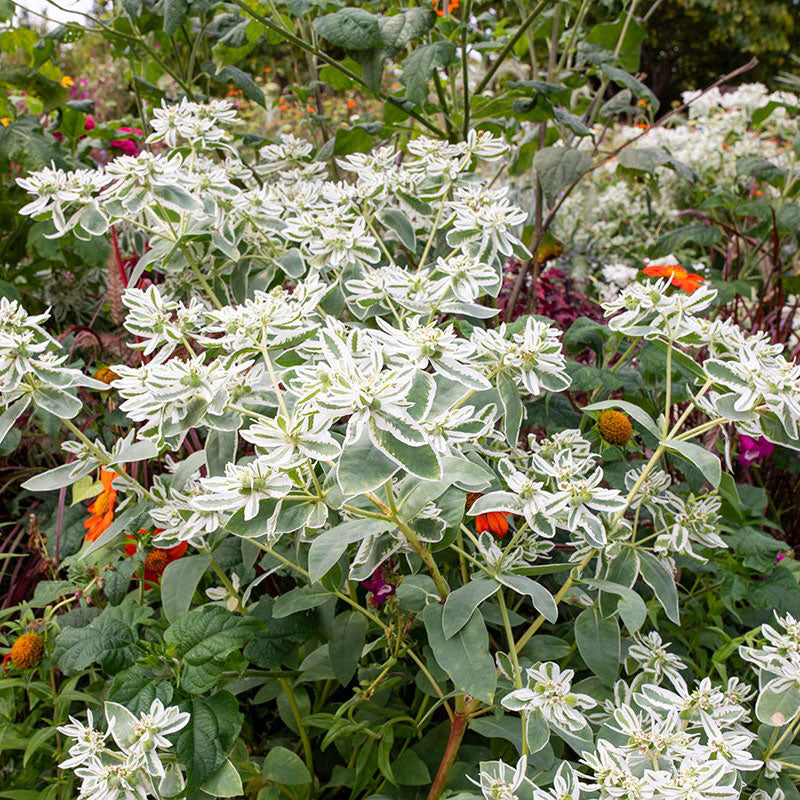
point(434, 346)
point(485, 219)
point(108, 781)
point(243, 487)
point(468, 279)
point(549, 691)
point(289, 441)
point(107, 774)
point(611, 775)
point(222, 596)
point(163, 323)
point(650, 653)
point(694, 521)
point(449, 431)
point(779, 658)
point(165, 396)
point(697, 780)
point(500, 781)
point(533, 357)
point(89, 742)
point(732, 747)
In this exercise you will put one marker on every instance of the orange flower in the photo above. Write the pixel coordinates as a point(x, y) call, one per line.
point(494, 521)
point(351, 104)
point(26, 652)
point(102, 509)
point(678, 276)
point(157, 560)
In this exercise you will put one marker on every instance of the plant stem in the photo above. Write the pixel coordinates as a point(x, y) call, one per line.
point(566, 586)
point(524, 25)
point(298, 718)
point(458, 727)
point(512, 651)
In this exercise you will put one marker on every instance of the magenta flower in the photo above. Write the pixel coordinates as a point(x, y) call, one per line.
point(752, 450)
point(380, 590)
point(90, 123)
point(128, 146)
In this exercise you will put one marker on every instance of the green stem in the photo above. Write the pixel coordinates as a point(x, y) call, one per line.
point(298, 718)
point(512, 651)
point(524, 25)
point(465, 65)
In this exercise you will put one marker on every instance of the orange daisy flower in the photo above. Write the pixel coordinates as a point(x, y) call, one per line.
point(102, 509)
point(678, 276)
point(157, 560)
point(494, 521)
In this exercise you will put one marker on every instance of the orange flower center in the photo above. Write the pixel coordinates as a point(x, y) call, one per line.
point(26, 652)
point(156, 562)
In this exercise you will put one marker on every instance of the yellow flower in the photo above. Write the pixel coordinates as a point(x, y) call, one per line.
point(5, 121)
point(615, 427)
point(66, 81)
point(26, 652)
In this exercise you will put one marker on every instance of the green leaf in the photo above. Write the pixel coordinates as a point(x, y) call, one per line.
point(777, 708)
point(330, 546)
point(461, 604)
point(410, 770)
point(607, 35)
point(623, 78)
point(225, 782)
point(701, 235)
point(270, 647)
point(703, 459)
point(12, 414)
point(631, 607)
point(558, 167)
point(464, 657)
point(117, 581)
point(109, 640)
point(420, 64)
point(136, 688)
point(662, 583)
point(642, 159)
point(285, 767)
point(398, 222)
point(301, 598)
point(542, 600)
point(204, 744)
point(204, 638)
point(363, 468)
point(352, 29)
point(252, 91)
point(37, 741)
point(400, 29)
point(512, 407)
point(220, 450)
point(350, 631)
point(174, 15)
point(179, 583)
point(598, 643)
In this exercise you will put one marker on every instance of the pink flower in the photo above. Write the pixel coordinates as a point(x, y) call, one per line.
point(90, 123)
point(135, 131)
point(128, 146)
point(751, 450)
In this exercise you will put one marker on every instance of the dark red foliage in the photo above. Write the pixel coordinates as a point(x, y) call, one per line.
point(557, 296)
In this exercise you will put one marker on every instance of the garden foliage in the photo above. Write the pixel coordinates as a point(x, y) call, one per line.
point(358, 526)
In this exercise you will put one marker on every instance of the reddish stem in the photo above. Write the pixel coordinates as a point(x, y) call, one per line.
point(118, 258)
point(458, 727)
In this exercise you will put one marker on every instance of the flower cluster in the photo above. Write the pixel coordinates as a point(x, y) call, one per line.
point(140, 767)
